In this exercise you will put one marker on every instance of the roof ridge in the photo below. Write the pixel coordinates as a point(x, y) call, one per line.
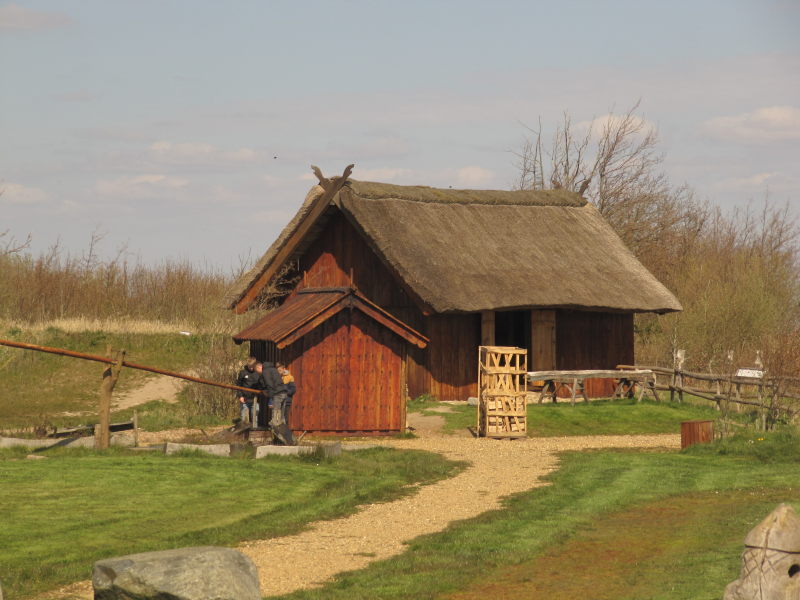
point(370, 190)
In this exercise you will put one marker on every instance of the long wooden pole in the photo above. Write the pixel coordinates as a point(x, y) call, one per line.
point(125, 363)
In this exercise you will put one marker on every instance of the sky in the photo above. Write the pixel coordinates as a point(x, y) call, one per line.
point(185, 130)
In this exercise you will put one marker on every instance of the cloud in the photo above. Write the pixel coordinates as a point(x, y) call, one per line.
point(767, 124)
point(16, 193)
point(18, 18)
point(143, 186)
point(770, 182)
point(473, 177)
point(198, 153)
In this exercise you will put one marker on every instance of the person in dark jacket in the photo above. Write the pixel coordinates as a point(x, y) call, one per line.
point(272, 384)
point(249, 377)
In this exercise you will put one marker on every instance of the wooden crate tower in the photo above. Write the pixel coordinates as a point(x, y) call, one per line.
point(502, 391)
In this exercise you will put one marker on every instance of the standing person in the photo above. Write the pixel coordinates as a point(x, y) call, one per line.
point(273, 387)
point(291, 388)
point(249, 377)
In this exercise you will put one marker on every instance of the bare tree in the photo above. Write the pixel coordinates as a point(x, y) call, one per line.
point(615, 163)
point(10, 245)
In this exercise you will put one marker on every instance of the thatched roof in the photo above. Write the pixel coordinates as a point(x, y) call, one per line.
point(472, 250)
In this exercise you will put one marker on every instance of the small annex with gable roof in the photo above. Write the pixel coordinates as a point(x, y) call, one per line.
point(427, 275)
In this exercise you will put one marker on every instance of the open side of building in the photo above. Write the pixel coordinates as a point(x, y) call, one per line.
point(426, 276)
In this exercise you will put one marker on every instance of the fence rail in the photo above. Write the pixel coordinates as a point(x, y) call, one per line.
point(774, 396)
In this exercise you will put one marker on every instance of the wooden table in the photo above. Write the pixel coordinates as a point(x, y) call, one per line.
point(627, 381)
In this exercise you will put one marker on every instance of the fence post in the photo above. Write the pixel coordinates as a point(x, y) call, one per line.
point(110, 377)
point(677, 379)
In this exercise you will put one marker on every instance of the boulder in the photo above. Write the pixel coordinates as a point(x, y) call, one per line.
point(771, 559)
point(201, 573)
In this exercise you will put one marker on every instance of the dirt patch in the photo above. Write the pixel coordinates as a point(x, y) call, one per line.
point(422, 424)
point(158, 388)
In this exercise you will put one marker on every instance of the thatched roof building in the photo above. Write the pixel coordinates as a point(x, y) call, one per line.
point(449, 270)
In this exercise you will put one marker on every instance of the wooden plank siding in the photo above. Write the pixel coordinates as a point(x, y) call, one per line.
point(347, 372)
point(339, 253)
point(593, 340)
point(446, 369)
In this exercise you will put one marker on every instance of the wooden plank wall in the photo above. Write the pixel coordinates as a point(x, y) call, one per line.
point(449, 370)
point(339, 252)
point(543, 340)
point(593, 340)
point(348, 375)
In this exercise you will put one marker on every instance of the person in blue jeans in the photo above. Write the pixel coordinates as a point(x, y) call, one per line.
point(249, 377)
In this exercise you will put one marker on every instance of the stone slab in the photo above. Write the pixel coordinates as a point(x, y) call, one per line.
point(328, 450)
point(214, 449)
point(9, 442)
point(352, 447)
point(117, 439)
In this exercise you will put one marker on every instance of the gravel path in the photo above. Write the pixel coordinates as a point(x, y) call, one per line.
point(378, 531)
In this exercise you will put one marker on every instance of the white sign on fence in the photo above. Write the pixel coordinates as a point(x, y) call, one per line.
point(752, 373)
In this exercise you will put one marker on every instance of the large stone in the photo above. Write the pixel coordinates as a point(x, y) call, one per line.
point(215, 449)
point(202, 573)
point(771, 560)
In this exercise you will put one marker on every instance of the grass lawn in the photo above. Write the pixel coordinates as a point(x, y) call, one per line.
point(599, 417)
point(62, 513)
point(38, 387)
point(612, 526)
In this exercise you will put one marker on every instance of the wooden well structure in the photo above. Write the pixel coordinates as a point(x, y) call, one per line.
point(502, 391)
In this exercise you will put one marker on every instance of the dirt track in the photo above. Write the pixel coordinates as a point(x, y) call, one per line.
point(378, 531)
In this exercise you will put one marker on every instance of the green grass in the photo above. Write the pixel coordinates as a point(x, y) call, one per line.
point(159, 416)
point(599, 417)
point(62, 513)
point(39, 387)
point(613, 417)
point(612, 526)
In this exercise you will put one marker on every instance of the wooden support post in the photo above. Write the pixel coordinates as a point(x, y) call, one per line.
point(543, 340)
point(110, 377)
point(135, 428)
point(487, 328)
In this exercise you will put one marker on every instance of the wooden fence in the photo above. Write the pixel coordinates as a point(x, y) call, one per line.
point(773, 397)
